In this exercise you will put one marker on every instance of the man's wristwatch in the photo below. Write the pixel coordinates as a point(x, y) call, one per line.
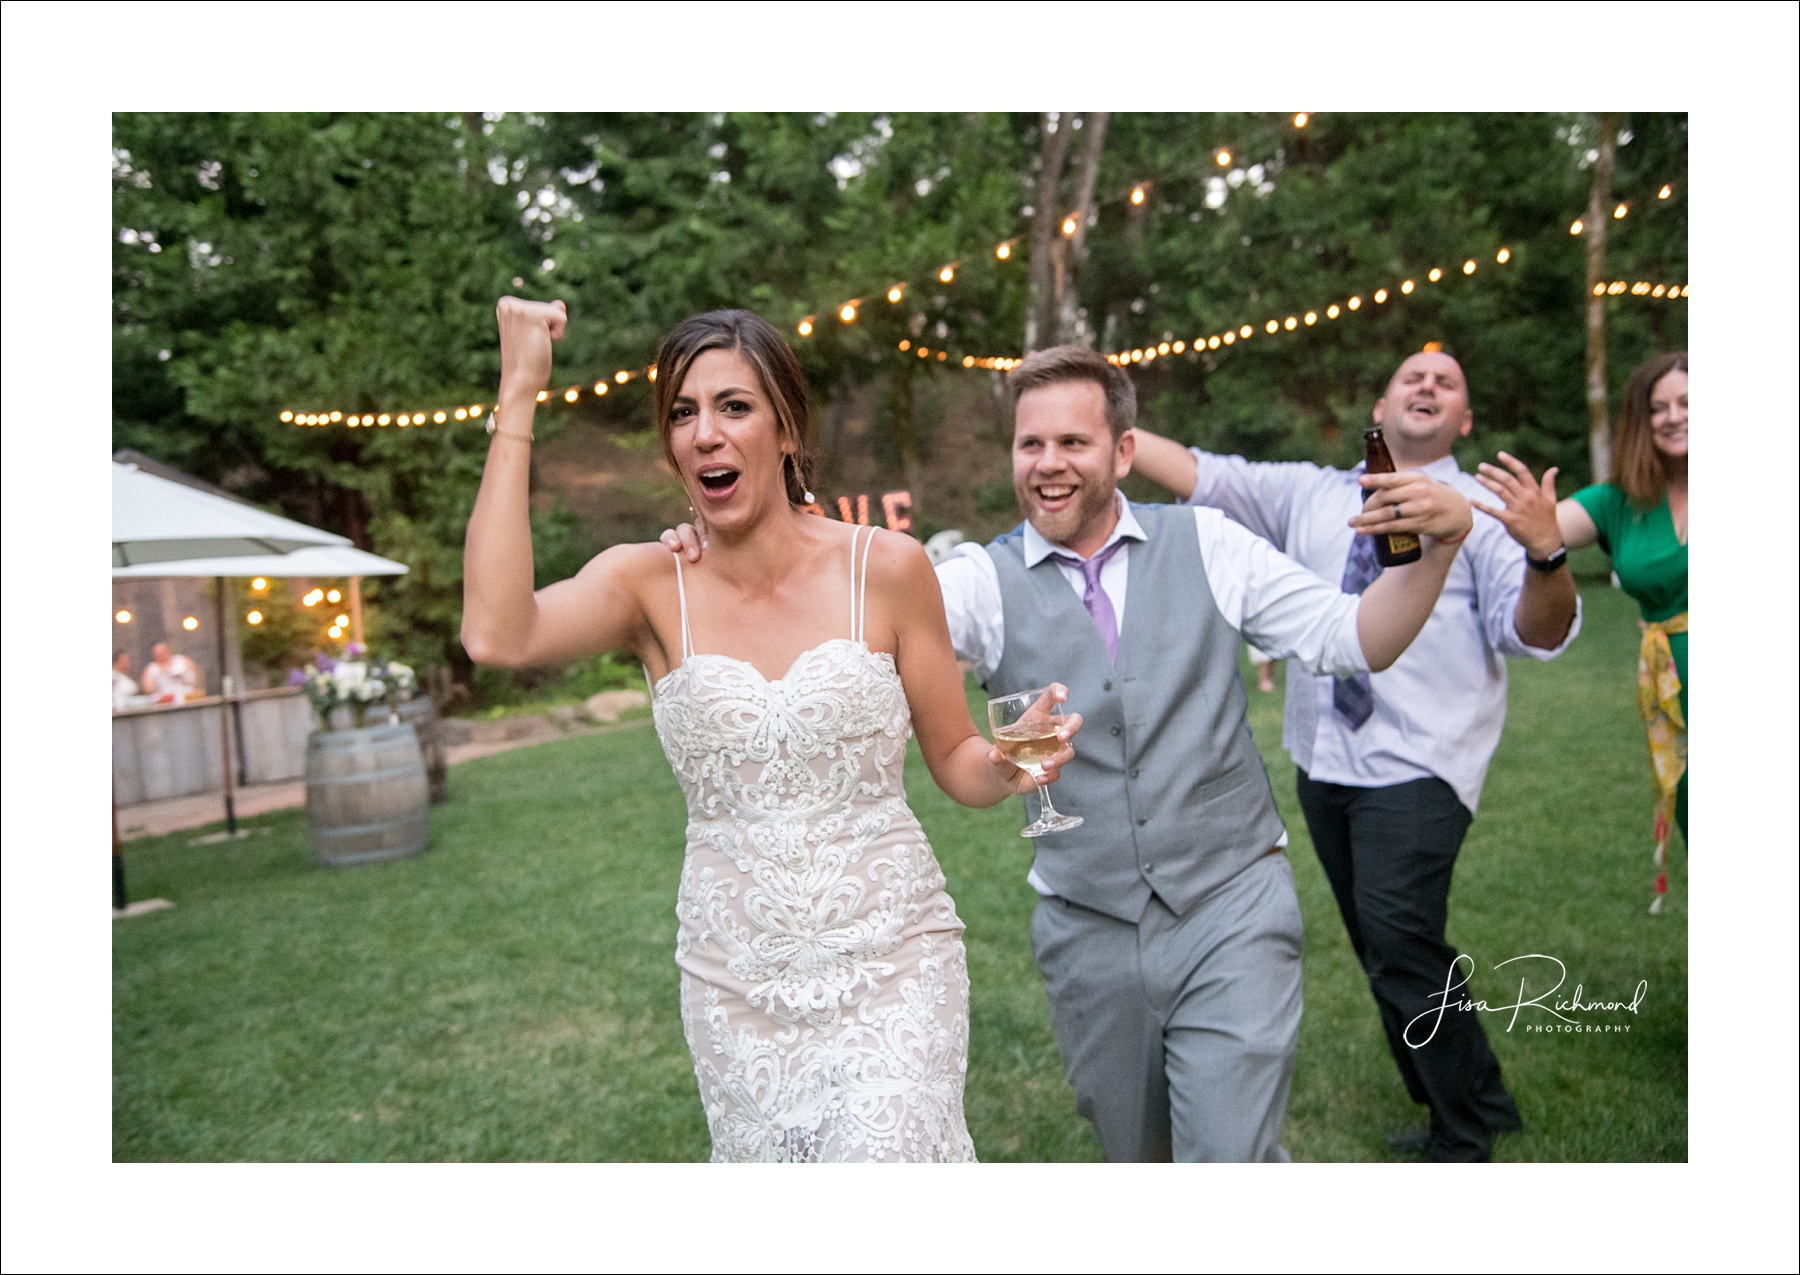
point(1549, 564)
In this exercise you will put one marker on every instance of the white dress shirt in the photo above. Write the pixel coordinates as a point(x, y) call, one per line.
point(1276, 603)
point(1440, 707)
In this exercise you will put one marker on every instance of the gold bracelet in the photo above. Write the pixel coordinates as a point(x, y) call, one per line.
point(494, 428)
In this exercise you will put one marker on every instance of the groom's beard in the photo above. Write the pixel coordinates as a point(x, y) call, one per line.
point(1065, 525)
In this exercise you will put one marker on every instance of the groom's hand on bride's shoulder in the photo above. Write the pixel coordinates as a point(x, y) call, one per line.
point(684, 539)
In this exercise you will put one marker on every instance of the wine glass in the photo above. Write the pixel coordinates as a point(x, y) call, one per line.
point(1025, 731)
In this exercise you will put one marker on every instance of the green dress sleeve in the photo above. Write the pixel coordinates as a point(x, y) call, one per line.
point(1605, 504)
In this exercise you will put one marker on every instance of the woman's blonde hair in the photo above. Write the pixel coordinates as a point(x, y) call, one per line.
point(1637, 467)
point(777, 369)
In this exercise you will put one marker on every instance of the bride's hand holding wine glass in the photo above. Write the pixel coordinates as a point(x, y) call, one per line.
point(1031, 746)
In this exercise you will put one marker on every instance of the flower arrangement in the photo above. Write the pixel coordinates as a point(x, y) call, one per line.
point(357, 683)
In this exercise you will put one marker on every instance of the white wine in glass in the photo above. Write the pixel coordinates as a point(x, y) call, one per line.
point(1025, 731)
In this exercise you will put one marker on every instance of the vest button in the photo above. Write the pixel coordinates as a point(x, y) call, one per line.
point(1149, 867)
point(1118, 730)
point(1142, 821)
point(1106, 686)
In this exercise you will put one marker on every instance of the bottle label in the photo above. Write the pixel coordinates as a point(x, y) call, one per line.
point(1402, 544)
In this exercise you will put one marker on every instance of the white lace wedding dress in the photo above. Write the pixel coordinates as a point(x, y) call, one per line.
point(824, 986)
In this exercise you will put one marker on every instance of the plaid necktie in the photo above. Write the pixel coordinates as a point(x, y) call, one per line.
point(1094, 598)
point(1353, 697)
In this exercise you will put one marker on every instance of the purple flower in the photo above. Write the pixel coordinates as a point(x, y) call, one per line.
point(325, 663)
point(296, 677)
point(355, 650)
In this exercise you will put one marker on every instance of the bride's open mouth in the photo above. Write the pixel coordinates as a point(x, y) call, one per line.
point(718, 482)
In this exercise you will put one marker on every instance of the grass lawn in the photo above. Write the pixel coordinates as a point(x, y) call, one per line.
point(511, 994)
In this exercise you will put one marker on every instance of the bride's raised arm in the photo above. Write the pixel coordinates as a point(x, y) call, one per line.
point(965, 765)
point(505, 622)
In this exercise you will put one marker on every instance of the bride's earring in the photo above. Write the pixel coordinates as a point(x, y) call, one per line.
point(811, 499)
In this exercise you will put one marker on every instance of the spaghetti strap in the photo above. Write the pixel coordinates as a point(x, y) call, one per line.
point(859, 584)
point(687, 636)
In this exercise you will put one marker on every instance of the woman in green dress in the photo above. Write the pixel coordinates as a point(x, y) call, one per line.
point(1641, 519)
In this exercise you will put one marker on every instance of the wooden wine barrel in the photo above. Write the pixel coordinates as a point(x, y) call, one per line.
point(366, 794)
point(422, 713)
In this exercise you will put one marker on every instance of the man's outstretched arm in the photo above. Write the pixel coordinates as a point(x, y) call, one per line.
point(1164, 462)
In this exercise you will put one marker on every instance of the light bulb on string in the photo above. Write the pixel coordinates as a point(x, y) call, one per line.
point(1003, 251)
point(569, 395)
point(287, 416)
point(806, 327)
point(543, 396)
point(1435, 274)
point(1300, 119)
point(1406, 288)
point(1291, 323)
point(1665, 192)
point(895, 293)
point(1312, 317)
point(255, 617)
point(1619, 213)
point(946, 274)
point(622, 377)
point(1575, 226)
point(1332, 312)
point(1469, 266)
point(1068, 226)
point(1137, 194)
point(905, 345)
point(122, 617)
point(1503, 256)
point(1355, 303)
point(1381, 296)
point(382, 419)
point(462, 413)
point(1222, 157)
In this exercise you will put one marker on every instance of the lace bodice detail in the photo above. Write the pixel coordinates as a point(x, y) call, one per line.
point(824, 987)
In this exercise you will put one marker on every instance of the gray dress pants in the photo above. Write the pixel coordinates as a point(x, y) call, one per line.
point(1178, 1033)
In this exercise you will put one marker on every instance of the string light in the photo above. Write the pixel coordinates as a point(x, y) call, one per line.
point(1300, 119)
point(1503, 256)
point(1312, 317)
point(1619, 287)
point(259, 584)
point(1665, 192)
point(190, 623)
point(334, 596)
point(1575, 226)
point(1435, 274)
point(1381, 296)
point(1469, 266)
point(1332, 312)
point(1068, 226)
point(1406, 288)
point(1619, 213)
point(1355, 303)
point(335, 631)
point(1137, 194)
point(122, 617)
point(621, 377)
point(1222, 157)
point(947, 274)
point(806, 326)
point(1003, 251)
point(895, 293)
point(313, 599)
point(905, 344)
point(847, 312)
point(255, 617)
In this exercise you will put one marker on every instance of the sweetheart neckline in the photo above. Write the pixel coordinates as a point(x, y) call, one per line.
point(767, 681)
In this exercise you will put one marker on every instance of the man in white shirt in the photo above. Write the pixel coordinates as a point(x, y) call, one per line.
point(170, 677)
point(1391, 765)
point(123, 688)
point(1168, 931)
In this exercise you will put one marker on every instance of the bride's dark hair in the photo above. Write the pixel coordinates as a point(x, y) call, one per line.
point(776, 367)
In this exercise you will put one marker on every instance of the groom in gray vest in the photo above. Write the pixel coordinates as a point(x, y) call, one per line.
point(1167, 930)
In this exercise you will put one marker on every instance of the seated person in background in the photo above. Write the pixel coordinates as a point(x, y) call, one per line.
point(171, 678)
point(123, 687)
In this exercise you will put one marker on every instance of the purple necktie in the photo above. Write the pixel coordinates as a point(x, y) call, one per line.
point(1094, 598)
point(1354, 697)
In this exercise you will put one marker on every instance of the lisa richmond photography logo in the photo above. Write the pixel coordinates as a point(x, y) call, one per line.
point(1546, 1011)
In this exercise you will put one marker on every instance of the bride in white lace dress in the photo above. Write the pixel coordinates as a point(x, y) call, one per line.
point(824, 987)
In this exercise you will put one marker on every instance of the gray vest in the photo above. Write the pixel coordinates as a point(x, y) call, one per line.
point(1172, 787)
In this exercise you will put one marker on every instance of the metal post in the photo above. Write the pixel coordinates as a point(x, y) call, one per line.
point(225, 716)
point(356, 625)
point(119, 899)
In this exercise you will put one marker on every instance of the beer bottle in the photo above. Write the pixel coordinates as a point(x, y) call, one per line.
point(1390, 551)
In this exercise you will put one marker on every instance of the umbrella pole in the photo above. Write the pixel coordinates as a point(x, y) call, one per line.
point(356, 629)
point(118, 859)
point(225, 717)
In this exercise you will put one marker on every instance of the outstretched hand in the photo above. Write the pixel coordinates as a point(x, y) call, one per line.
point(1411, 502)
point(1529, 515)
point(527, 329)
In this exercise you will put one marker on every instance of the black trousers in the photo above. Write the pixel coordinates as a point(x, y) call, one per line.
point(1389, 854)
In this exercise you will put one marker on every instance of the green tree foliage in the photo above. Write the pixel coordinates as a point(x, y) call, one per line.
point(315, 262)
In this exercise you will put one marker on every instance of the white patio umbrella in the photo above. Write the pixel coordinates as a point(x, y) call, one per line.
point(165, 528)
point(156, 520)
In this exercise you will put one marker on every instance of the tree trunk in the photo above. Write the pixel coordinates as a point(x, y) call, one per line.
point(1069, 326)
point(900, 405)
point(1040, 315)
point(1599, 212)
point(1134, 243)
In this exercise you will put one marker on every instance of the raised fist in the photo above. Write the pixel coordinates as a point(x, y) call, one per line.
point(526, 330)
